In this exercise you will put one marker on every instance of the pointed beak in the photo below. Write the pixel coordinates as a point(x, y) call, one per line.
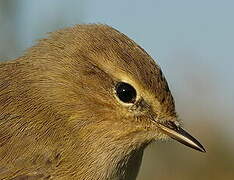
point(175, 132)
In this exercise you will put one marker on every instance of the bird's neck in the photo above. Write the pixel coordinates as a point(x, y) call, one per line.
point(101, 155)
point(131, 166)
point(113, 166)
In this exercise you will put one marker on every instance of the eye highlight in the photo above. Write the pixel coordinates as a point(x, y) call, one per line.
point(125, 92)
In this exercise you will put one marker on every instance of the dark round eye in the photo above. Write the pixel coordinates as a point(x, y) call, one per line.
point(126, 92)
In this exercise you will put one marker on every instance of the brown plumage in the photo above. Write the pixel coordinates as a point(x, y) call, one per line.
point(60, 114)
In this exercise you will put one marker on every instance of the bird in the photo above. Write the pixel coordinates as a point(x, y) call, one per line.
point(81, 104)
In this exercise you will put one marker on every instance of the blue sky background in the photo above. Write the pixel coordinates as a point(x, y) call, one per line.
point(193, 41)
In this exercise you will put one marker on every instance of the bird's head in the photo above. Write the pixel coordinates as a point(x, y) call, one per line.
point(106, 86)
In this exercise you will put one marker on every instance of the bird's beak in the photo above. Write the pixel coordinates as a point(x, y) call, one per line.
point(176, 132)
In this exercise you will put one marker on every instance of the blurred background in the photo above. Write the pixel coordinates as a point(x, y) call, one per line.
point(193, 41)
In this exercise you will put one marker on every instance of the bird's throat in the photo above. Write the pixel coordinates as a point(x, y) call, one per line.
point(115, 166)
point(115, 160)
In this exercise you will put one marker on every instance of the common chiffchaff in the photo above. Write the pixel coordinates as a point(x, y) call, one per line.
point(83, 104)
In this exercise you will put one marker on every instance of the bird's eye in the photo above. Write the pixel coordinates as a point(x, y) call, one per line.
point(126, 92)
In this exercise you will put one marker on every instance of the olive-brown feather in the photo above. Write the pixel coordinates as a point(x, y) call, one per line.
point(59, 116)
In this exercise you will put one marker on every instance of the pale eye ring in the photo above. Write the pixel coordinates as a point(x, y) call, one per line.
point(125, 92)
